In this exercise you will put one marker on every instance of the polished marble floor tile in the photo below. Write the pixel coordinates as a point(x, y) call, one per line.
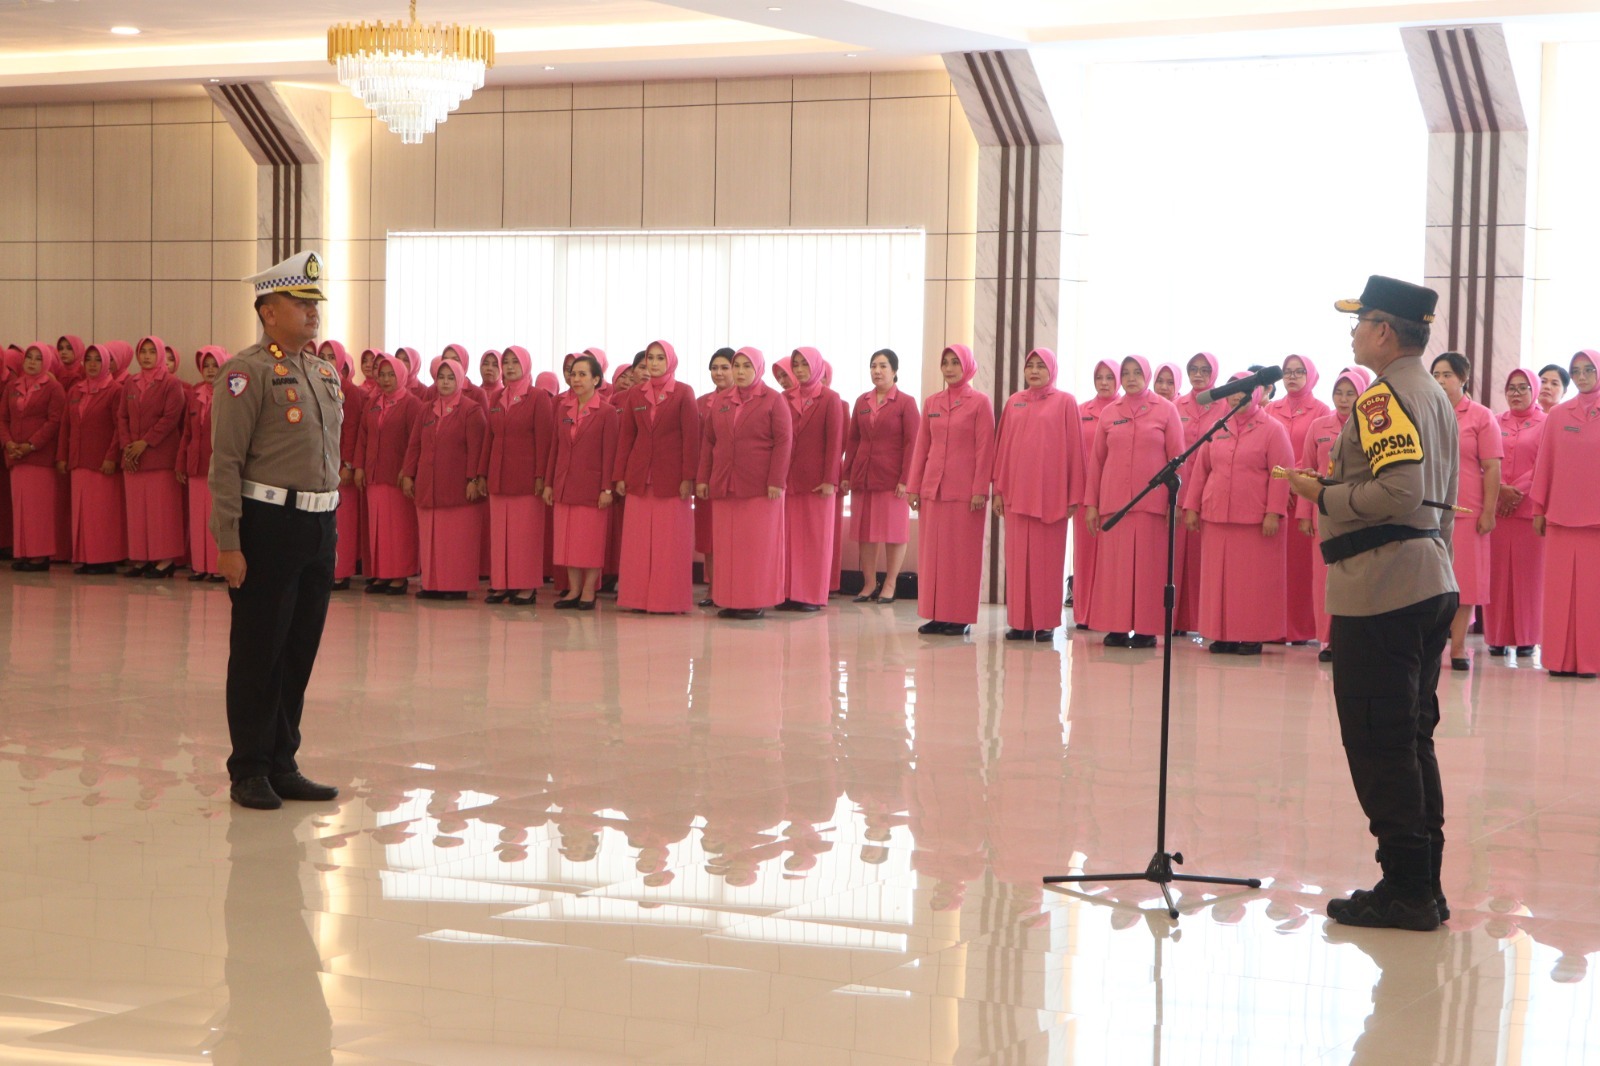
point(809, 840)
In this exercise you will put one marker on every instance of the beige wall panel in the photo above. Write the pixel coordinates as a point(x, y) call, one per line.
point(122, 158)
point(68, 307)
point(620, 94)
point(828, 176)
point(539, 98)
point(233, 189)
point(753, 165)
point(66, 260)
point(347, 106)
point(375, 311)
point(66, 184)
point(122, 261)
point(122, 310)
point(65, 115)
point(233, 322)
point(909, 183)
point(122, 113)
point(377, 260)
point(194, 109)
point(833, 87)
point(347, 319)
point(471, 166)
point(17, 118)
point(910, 83)
point(963, 212)
point(936, 248)
point(959, 299)
point(181, 311)
point(19, 261)
point(402, 183)
point(680, 166)
point(19, 176)
point(934, 337)
point(181, 207)
point(607, 167)
point(755, 90)
point(232, 260)
point(482, 102)
point(350, 170)
point(961, 257)
point(180, 261)
point(538, 169)
point(679, 93)
point(18, 300)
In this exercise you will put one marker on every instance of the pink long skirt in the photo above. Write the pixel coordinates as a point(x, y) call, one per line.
point(836, 573)
point(613, 561)
point(348, 518)
point(391, 534)
point(155, 515)
point(880, 517)
point(1084, 550)
point(1130, 570)
point(1515, 612)
point(450, 546)
point(63, 551)
point(516, 542)
point(1571, 599)
point(99, 518)
point(1186, 568)
point(582, 536)
point(657, 564)
point(808, 539)
point(1471, 552)
point(949, 560)
point(748, 537)
point(1319, 593)
point(1300, 614)
point(1036, 560)
point(1241, 591)
point(702, 526)
point(202, 545)
point(34, 492)
point(551, 571)
point(5, 507)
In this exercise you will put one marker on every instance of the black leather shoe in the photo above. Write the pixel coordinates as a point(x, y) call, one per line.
point(583, 605)
point(157, 573)
point(255, 793)
point(138, 571)
point(1115, 640)
point(1019, 634)
point(1044, 636)
point(806, 608)
point(342, 585)
point(1497, 650)
point(1142, 640)
point(525, 601)
point(1224, 647)
point(1525, 650)
point(1325, 655)
point(787, 605)
point(497, 596)
point(742, 614)
point(931, 629)
point(1248, 647)
point(198, 575)
point(297, 786)
point(567, 605)
point(1460, 665)
point(707, 602)
point(956, 629)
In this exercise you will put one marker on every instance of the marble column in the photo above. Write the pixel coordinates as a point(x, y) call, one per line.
point(1017, 300)
point(1477, 223)
point(287, 132)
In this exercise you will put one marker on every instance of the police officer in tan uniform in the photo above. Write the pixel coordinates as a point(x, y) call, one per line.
point(276, 413)
point(1385, 530)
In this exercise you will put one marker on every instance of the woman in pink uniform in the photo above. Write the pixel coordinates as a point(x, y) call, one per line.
point(521, 422)
point(32, 418)
point(809, 506)
point(1553, 382)
point(877, 464)
point(391, 554)
point(744, 465)
point(1038, 484)
point(658, 458)
point(351, 516)
point(1315, 456)
point(951, 469)
point(150, 427)
point(577, 481)
point(89, 455)
point(194, 464)
point(1516, 563)
point(1138, 434)
point(1478, 492)
point(490, 377)
point(1297, 409)
point(1243, 507)
point(1166, 384)
point(1566, 511)
point(70, 350)
point(1202, 371)
point(10, 367)
point(721, 368)
point(412, 359)
point(1084, 546)
point(445, 473)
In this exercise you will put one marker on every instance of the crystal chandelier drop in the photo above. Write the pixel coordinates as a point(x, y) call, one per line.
point(410, 75)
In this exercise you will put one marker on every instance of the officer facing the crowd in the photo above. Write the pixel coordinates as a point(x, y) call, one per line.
point(274, 489)
point(1391, 595)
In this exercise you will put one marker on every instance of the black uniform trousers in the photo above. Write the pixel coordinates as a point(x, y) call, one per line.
point(278, 614)
point(1385, 683)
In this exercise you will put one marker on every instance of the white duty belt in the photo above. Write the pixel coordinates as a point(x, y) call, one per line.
point(315, 502)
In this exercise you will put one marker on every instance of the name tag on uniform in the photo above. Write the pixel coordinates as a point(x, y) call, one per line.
point(1019, 405)
point(1573, 429)
point(284, 380)
point(1122, 421)
point(933, 414)
point(641, 408)
point(567, 422)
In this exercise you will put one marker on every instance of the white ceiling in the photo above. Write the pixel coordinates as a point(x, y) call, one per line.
point(62, 49)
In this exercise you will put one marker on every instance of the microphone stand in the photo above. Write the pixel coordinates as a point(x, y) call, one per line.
point(1160, 869)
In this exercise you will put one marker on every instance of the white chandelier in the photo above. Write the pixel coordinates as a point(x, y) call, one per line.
point(410, 75)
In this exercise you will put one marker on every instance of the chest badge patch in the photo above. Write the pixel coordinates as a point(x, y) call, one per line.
point(238, 381)
point(292, 395)
point(280, 370)
point(324, 371)
point(294, 416)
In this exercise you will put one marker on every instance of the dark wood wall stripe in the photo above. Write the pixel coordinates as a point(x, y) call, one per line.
point(287, 176)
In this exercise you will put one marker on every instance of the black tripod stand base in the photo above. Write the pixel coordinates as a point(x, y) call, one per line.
point(1159, 872)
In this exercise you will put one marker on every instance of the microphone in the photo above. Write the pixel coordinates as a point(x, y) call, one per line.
point(1267, 375)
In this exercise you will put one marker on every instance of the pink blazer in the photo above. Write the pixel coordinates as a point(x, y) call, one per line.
point(954, 457)
point(580, 464)
point(155, 417)
point(446, 453)
point(881, 442)
point(1135, 438)
point(818, 442)
point(1563, 477)
point(1038, 466)
point(742, 456)
point(1232, 479)
point(1520, 439)
point(91, 436)
point(36, 417)
point(385, 436)
point(658, 450)
point(1316, 454)
point(1480, 442)
point(520, 435)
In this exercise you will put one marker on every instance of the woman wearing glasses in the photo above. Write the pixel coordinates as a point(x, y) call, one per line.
point(1296, 411)
point(1478, 491)
point(1516, 553)
point(1567, 513)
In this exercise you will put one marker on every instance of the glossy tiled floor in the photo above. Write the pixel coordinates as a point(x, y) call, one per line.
point(587, 839)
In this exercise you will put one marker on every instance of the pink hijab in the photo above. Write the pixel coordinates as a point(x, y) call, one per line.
point(802, 394)
point(108, 370)
point(203, 390)
point(969, 370)
point(515, 390)
point(156, 373)
point(1094, 402)
point(341, 358)
point(1048, 358)
point(1144, 365)
point(1311, 374)
point(757, 388)
point(444, 406)
point(783, 365)
point(74, 372)
point(1211, 361)
point(121, 357)
point(381, 400)
point(49, 366)
point(1177, 379)
point(1533, 384)
point(1593, 357)
point(548, 381)
point(658, 389)
point(1250, 410)
point(495, 352)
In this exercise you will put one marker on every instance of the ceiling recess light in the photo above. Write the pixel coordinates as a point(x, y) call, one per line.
point(549, 68)
point(125, 31)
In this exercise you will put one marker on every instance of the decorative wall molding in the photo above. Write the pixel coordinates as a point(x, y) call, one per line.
point(287, 134)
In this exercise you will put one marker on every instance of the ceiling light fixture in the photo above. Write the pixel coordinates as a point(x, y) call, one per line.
point(408, 74)
point(125, 31)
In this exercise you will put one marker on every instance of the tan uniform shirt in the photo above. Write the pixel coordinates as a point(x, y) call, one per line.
point(1398, 448)
point(275, 420)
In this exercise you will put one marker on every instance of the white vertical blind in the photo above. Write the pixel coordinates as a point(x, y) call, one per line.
point(845, 292)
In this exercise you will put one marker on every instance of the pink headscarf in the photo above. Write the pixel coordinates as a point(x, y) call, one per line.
point(444, 406)
point(518, 388)
point(74, 373)
point(1211, 361)
point(156, 373)
point(1115, 366)
point(548, 381)
point(1177, 379)
point(1048, 358)
point(804, 392)
point(783, 365)
point(1250, 409)
point(486, 354)
point(1144, 365)
point(1533, 385)
point(969, 370)
point(121, 353)
point(402, 378)
point(49, 366)
point(757, 388)
point(203, 391)
point(411, 358)
point(658, 389)
point(1593, 357)
point(462, 361)
point(1311, 374)
point(108, 370)
point(341, 358)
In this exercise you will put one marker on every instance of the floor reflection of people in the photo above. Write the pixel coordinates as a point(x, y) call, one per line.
point(876, 746)
point(1029, 798)
point(276, 1011)
point(949, 815)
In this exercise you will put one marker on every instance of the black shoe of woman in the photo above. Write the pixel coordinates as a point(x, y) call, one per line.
point(1019, 634)
point(1044, 636)
point(869, 597)
point(497, 596)
point(156, 573)
point(955, 629)
point(198, 575)
point(930, 629)
point(525, 600)
point(567, 605)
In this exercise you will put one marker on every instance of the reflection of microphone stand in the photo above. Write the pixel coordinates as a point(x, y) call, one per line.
point(1160, 869)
